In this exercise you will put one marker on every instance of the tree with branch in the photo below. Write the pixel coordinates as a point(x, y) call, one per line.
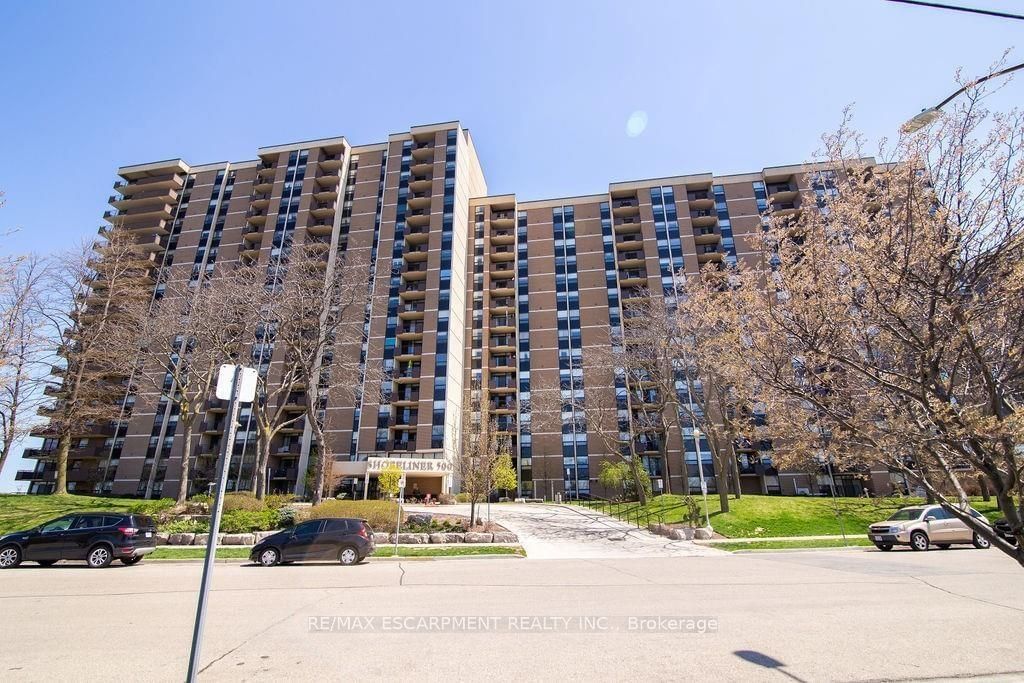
point(187, 334)
point(90, 301)
point(890, 318)
point(319, 326)
point(24, 347)
point(484, 456)
point(609, 371)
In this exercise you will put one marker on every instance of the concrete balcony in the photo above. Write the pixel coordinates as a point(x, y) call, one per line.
point(704, 219)
point(626, 207)
point(503, 219)
point(706, 236)
point(700, 199)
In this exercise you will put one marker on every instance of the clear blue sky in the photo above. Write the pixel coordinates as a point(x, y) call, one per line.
point(727, 86)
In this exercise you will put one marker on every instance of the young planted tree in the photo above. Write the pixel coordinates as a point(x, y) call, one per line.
point(389, 479)
point(319, 325)
point(24, 347)
point(892, 323)
point(186, 336)
point(605, 412)
point(484, 458)
point(91, 300)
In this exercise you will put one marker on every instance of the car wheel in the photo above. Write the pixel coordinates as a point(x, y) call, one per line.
point(131, 560)
point(99, 556)
point(348, 556)
point(269, 557)
point(10, 556)
point(884, 546)
point(943, 546)
point(919, 541)
point(981, 543)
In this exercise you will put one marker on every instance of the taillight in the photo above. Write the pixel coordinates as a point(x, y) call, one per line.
point(128, 530)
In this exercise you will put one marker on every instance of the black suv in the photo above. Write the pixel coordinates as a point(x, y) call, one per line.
point(96, 537)
point(347, 541)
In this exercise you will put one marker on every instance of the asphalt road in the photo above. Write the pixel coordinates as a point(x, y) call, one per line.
point(813, 616)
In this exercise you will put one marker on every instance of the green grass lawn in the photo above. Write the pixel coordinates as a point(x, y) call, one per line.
point(766, 516)
point(197, 553)
point(785, 545)
point(19, 512)
point(228, 552)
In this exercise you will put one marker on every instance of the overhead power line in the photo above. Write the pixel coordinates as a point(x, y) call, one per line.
point(957, 8)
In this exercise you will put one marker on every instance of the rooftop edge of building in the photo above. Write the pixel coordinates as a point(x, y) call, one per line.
point(178, 165)
point(767, 173)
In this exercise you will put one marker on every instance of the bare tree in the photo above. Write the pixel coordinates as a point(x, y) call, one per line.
point(278, 382)
point(485, 449)
point(625, 434)
point(89, 301)
point(725, 402)
point(185, 336)
point(319, 329)
point(23, 347)
point(890, 319)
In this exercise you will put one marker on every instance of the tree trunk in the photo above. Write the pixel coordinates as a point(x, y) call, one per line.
point(663, 454)
point(320, 481)
point(721, 475)
point(636, 467)
point(472, 511)
point(186, 461)
point(983, 483)
point(63, 448)
point(735, 467)
point(260, 475)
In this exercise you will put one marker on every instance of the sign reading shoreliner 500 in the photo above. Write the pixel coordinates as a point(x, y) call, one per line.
point(440, 465)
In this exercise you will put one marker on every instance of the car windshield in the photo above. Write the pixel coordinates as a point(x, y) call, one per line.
point(906, 514)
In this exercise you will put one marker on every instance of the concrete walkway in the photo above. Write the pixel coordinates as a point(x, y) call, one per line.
point(571, 532)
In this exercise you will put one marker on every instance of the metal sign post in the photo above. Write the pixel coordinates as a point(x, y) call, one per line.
point(398, 522)
point(700, 470)
point(235, 384)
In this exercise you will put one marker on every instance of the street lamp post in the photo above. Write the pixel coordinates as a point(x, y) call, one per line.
point(700, 471)
point(927, 116)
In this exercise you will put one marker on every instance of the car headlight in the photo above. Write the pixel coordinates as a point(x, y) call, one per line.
point(895, 529)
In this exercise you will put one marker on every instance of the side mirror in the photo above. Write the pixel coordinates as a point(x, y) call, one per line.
point(930, 518)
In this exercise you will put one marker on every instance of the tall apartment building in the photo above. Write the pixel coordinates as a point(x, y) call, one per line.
point(468, 290)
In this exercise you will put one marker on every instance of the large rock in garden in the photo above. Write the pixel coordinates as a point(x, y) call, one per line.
point(681, 534)
point(504, 537)
point(180, 539)
point(478, 537)
point(260, 535)
point(381, 537)
point(162, 538)
point(200, 539)
point(447, 538)
point(419, 518)
point(702, 534)
point(239, 539)
point(414, 538)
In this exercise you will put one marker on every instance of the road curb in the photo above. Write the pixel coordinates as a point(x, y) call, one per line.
point(753, 551)
point(243, 561)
